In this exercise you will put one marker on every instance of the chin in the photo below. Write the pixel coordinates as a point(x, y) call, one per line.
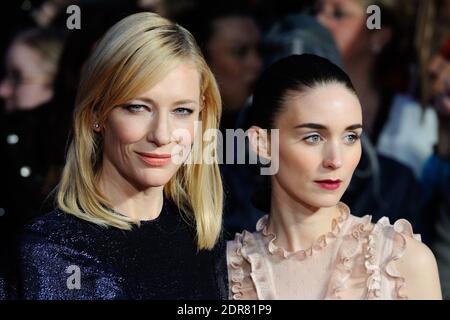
point(154, 180)
point(145, 185)
point(322, 201)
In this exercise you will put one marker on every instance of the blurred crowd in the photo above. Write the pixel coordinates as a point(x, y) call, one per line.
point(401, 72)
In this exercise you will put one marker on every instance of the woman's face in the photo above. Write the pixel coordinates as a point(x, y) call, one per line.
point(27, 84)
point(439, 77)
point(233, 54)
point(346, 20)
point(319, 145)
point(142, 138)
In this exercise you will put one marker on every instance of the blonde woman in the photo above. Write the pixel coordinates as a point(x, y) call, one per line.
point(134, 222)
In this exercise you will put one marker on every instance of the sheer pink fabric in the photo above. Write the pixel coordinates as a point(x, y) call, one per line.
point(355, 260)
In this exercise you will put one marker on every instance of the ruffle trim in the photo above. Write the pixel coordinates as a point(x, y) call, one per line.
point(401, 230)
point(367, 238)
point(320, 243)
point(248, 277)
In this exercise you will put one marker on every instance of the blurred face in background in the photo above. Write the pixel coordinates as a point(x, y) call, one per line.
point(233, 54)
point(346, 20)
point(27, 83)
point(439, 76)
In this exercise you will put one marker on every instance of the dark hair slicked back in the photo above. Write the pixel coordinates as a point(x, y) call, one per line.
point(296, 73)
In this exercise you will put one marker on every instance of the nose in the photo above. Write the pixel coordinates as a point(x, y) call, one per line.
point(160, 132)
point(433, 67)
point(332, 159)
point(6, 89)
point(255, 61)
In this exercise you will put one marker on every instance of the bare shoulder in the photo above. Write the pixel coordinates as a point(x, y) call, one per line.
point(419, 269)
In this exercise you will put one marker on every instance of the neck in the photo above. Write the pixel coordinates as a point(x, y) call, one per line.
point(297, 225)
point(136, 203)
point(361, 75)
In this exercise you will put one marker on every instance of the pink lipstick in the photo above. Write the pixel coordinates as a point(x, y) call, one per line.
point(155, 159)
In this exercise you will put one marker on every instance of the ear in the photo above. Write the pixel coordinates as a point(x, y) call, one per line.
point(259, 141)
point(379, 39)
point(202, 102)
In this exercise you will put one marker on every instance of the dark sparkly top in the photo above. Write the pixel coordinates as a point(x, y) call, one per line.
point(158, 260)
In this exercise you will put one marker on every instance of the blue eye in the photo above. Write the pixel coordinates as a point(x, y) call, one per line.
point(351, 138)
point(183, 111)
point(313, 139)
point(135, 108)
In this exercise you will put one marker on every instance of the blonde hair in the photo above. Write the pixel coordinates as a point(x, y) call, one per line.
point(135, 54)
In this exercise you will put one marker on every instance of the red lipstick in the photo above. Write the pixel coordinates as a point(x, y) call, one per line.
point(329, 184)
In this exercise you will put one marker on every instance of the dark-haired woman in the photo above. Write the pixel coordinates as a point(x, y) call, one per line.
point(310, 246)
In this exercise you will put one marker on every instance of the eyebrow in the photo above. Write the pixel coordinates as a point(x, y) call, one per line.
point(151, 101)
point(322, 127)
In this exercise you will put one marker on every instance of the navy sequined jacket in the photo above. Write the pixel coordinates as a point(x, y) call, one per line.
point(63, 257)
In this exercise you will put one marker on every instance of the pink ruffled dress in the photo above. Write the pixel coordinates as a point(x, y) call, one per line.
point(353, 261)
